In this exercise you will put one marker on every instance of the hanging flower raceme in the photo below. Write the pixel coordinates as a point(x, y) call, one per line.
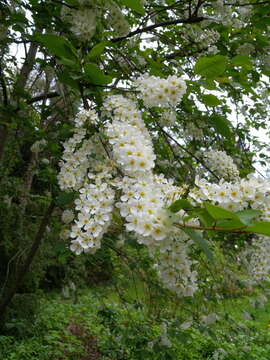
point(83, 20)
point(155, 91)
point(143, 205)
point(221, 164)
point(131, 142)
point(80, 171)
point(242, 194)
point(94, 206)
point(256, 258)
point(77, 151)
point(175, 268)
point(117, 20)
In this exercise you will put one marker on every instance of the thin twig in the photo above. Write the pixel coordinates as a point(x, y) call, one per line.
point(200, 161)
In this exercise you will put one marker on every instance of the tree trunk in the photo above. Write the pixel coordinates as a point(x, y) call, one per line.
point(26, 266)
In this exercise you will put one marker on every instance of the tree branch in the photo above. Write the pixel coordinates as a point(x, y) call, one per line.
point(248, 4)
point(42, 97)
point(239, 230)
point(190, 20)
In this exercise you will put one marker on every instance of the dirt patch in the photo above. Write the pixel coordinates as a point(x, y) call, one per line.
point(89, 341)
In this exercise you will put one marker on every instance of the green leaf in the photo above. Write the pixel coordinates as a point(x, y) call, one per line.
point(154, 67)
point(180, 204)
point(223, 80)
point(200, 241)
point(58, 46)
point(230, 224)
point(247, 216)
point(65, 198)
point(65, 78)
point(210, 67)
point(208, 84)
point(73, 3)
point(242, 60)
point(135, 5)
point(97, 50)
point(260, 227)
point(210, 100)
point(222, 125)
point(204, 216)
point(68, 62)
point(236, 220)
point(219, 213)
point(96, 76)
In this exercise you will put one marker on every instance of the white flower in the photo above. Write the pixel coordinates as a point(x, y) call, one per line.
point(38, 146)
point(76, 247)
point(67, 216)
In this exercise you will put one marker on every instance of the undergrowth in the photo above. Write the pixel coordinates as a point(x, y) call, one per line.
point(101, 326)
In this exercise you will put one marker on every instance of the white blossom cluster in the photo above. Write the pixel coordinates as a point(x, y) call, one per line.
point(94, 206)
point(77, 150)
point(242, 194)
point(131, 142)
point(95, 203)
point(86, 117)
point(175, 268)
point(245, 49)
point(84, 23)
point(83, 20)
point(256, 258)
point(236, 17)
point(161, 92)
point(221, 164)
point(67, 216)
point(201, 38)
point(38, 146)
point(143, 206)
point(75, 161)
point(117, 20)
point(143, 198)
point(168, 118)
point(193, 131)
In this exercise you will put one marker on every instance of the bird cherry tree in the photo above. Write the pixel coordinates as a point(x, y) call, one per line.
point(139, 116)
